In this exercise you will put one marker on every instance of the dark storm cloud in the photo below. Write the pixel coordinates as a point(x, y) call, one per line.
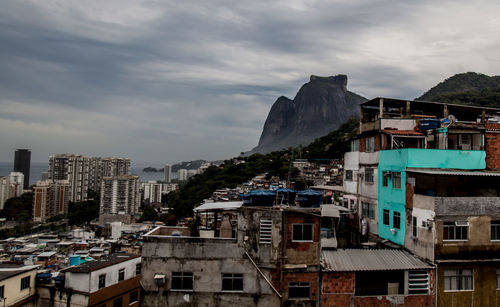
point(175, 80)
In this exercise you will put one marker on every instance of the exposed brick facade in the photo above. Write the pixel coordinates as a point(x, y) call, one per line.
point(338, 289)
point(362, 142)
point(311, 277)
point(492, 147)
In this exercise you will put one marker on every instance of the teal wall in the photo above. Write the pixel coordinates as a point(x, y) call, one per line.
point(397, 161)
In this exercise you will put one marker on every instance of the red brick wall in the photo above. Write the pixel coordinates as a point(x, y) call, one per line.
point(492, 147)
point(301, 246)
point(338, 282)
point(311, 277)
point(335, 300)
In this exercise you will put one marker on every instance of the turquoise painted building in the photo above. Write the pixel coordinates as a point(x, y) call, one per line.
point(392, 181)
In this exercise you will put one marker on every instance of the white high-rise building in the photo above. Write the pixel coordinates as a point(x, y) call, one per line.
point(168, 173)
point(16, 184)
point(4, 190)
point(182, 174)
point(120, 198)
point(153, 190)
point(85, 173)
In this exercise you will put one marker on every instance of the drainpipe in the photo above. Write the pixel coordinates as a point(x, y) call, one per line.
point(264, 276)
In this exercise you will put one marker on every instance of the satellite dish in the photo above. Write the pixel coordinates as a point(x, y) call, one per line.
point(452, 119)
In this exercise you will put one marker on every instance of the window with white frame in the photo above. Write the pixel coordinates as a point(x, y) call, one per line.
point(455, 231)
point(121, 274)
point(418, 282)
point(370, 144)
point(495, 230)
point(458, 279)
point(182, 281)
point(369, 175)
point(299, 289)
point(302, 232)
point(396, 180)
point(368, 210)
point(265, 231)
point(355, 145)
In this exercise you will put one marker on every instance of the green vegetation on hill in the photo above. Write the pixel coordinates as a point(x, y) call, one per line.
point(18, 209)
point(461, 83)
point(238, 170)
point(484, 98)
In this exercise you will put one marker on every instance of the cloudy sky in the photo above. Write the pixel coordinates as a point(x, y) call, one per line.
point(167, 81)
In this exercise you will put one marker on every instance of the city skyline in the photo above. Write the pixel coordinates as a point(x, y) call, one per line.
point(149, 80)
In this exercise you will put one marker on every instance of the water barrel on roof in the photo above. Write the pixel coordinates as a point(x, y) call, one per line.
point(75, 260)
point(262, 197)
point(285, 196)
point(310, 198)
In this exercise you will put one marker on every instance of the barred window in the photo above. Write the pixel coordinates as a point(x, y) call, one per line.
point(495, 230)
point(25, 283)
point(396, 180)
point(368, 210)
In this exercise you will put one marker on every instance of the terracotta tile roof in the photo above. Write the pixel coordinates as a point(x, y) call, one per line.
point(403, 132)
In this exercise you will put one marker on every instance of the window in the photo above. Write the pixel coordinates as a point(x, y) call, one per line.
point(355, 145)
point(458, 279)
point(118, 302)
point(299, 289)
point(133, 297)
point(370, 144)
point(396, 220)
point(345, 203)
point(302, 232)
point(418, 282)
point(386, 217)
point(121, 274)
point(414, 229)
point(2, 291)
point(182, 281)
point(498, 279)
point(25, 283)
point(396, 180)
point(457, 231)
point(232, 282)
point(102, 281)
point(385, 179)
point(265, 231)
point(368, 210)
point(138, 269)
point(495, 230)
point(369, 175)
point(348, 175)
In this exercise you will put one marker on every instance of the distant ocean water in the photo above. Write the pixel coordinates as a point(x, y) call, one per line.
point(38, 168)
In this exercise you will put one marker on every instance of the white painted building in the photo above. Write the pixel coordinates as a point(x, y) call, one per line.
point(4, 190)
point(182, 174)
point(16, 182)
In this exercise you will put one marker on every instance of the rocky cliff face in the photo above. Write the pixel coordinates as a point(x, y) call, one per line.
point(320, 106)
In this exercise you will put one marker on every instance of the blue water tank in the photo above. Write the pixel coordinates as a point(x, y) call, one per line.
point(75, 260)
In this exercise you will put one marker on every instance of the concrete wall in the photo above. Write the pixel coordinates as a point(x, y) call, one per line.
point(89, 282)
point(351, 162)
point(49, 296)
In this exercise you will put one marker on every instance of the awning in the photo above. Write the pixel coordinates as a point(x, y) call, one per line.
point(227, 205)
point(452, 172)
point(332, 210)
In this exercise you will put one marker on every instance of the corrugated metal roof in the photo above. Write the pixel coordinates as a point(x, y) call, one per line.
point(228, 205)
point(348, 260)
point(440, 171)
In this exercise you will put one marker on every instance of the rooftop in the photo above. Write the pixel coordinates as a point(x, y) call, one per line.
point(348, 260)
point(102, 263)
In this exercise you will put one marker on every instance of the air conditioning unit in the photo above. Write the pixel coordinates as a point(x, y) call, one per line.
point(160, 279)
point(427, 224)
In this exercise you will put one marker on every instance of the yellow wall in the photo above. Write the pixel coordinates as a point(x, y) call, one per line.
point(12, 288)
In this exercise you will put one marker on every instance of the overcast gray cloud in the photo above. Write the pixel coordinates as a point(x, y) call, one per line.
point(167, 81)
